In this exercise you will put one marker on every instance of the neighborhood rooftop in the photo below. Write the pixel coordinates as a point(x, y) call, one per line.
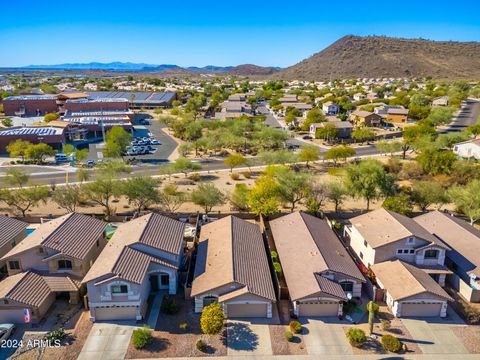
point(10, 228)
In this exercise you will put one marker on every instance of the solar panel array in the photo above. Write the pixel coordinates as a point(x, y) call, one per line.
point(29, 131)
point(141, 97)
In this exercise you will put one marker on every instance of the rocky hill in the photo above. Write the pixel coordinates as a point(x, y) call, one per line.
point(379, 56)
point(252, 70)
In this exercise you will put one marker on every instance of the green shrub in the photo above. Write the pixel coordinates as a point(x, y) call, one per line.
point(278, 268)
point(212, 318)
point(274, 255)
point(201, 345)
point(195, 177)
point(235, 176)
point(170, 306)
point(391, 343)
point(295, 326)
point(183, 325)
point(56, 335)
point(247, 174)
point(288, 335)
point(356, 337)
point(175, 112)
point(141, 337)
point(386, 325)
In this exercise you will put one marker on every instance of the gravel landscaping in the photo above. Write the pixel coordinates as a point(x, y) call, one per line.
point(280, 346)
point(469, 336)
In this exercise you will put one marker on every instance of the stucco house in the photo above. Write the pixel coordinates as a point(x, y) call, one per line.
point(365, 118)
point(468, 149)
point(463, 258)
point(50, 262)
point(383, 235)
point(13, 231)
point(330, 108)
point(232, 269)
point(142, 257)
point(319, 272)
point(409, 291)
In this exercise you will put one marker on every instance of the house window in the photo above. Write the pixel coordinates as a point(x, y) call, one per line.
point(347, 286)
point(207, 300)
point(365, 243)
point(64, 264)
point(431, 254)
point(412, 251)
point(361, 255)
point(13, 243)
point(410, 240)
point(98, 243)
point(40, 250)
point(14, 265)
point(119, 289)
point(399, 251)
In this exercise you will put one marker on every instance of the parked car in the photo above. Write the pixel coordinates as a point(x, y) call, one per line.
point(90, 163)
point(61, 158)
point(155, 142)
point(5, 331)
point(307, 137)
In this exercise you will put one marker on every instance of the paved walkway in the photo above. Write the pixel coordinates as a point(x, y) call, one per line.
point(107, 341)
point(155, 309)
point(325, 337)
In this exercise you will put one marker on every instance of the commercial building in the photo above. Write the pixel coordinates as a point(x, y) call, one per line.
point(29, 105)
point(138, 99)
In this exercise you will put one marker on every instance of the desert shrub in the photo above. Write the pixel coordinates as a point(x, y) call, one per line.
point(247, 174)
point(235, 176)
point(175, 112)
point(170, 306)
point(141, 337)
point(56, 335)
point(288, 335)
point(295, 326)
point(183, 325)
point(201, 345)
point(391, 343)
point(195, 177)
point(386, 325)
point(356, 337)
point(212, 318)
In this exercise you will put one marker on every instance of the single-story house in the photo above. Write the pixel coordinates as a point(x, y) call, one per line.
point(397, 115)
point(463, 258)
point(344, 128)
point(232, 269)
point(319, 272)
point(468, 149)
point(440, 101)
point(410, 291)
point(142, 257)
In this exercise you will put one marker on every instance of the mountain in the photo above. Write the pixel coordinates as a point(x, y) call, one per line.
point(241, 70)
point(380, 56)
point(252, 70)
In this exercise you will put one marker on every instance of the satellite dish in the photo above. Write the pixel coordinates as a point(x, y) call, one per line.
point(349, 296)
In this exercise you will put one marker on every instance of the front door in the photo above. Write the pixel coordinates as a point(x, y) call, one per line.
point(164, 281)
point(154, 282)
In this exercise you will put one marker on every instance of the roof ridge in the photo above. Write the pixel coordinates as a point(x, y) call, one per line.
point(67, 218)
point(408, 267)
point(24, 275)
point(394, 216)
point(232, 245)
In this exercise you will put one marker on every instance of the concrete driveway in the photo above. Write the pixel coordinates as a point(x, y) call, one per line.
point(325, 336)
point(435, 335)
point(248, 338)
point(107, 341)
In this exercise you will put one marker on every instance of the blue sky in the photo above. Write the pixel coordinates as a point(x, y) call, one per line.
point(215, 32)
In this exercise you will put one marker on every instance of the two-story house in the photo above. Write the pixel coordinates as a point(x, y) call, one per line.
point(319, 272)
point(382, 236)
point(142, 257)
point(330, 108)
point(50, 262)
point(463, 258)
point(232, 269)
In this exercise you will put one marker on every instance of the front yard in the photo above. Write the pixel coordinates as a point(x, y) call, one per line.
point(172, 338)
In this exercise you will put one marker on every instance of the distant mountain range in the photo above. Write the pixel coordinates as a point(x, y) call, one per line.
point(247, 69)
point(380, 56)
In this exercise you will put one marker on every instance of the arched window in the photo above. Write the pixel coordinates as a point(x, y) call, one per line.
point(64, 264)
point(207, 300)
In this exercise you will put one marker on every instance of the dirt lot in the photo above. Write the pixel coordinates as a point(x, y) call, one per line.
point(171, 341)
point(397, 329)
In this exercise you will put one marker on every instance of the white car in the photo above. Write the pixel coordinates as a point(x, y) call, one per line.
point(5, 331)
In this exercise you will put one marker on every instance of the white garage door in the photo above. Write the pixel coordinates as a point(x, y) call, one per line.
point(246, 310)
point(116, 313)
point(12, 316)
point(421, 309)
point(318, 308)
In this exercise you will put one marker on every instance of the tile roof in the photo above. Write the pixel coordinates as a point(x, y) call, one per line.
point(330, 287)
point(403, 280)
point(10, 229)
point(307, 246)
point(231, 250)
point(153, 230)
point(463, 239)
point(381, 227)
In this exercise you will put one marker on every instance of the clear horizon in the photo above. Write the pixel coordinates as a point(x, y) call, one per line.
point(265, 34)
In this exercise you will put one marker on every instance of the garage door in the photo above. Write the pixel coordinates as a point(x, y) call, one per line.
point(116, 313)
point(318, 308)
point(421, 309)
point(246, 310)
point(12, 316)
